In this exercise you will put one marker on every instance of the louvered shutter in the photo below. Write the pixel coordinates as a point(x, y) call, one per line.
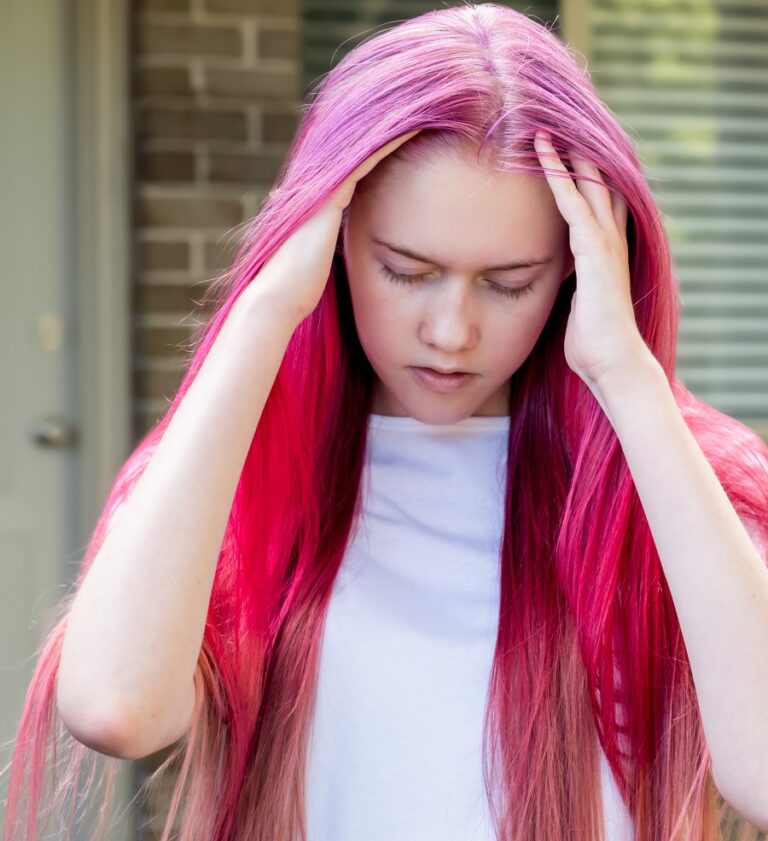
point(689, 82)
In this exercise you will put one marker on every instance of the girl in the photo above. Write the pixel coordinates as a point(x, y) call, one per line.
point(513, 596)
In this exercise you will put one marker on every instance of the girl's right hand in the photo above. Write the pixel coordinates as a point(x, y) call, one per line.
point(298, 270)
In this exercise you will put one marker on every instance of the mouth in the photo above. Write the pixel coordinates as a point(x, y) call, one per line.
point(445, 372)
point(445, 383)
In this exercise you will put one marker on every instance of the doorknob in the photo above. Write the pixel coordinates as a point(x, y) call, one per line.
point(54, 432)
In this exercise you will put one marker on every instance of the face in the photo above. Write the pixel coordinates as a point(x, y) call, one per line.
point(430, 249)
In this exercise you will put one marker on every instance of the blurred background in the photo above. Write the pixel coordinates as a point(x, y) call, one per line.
point(137, 135)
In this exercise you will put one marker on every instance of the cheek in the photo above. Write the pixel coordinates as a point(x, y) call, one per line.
point(515, 332)
point(381, 315)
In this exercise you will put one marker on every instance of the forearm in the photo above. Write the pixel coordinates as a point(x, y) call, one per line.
point(135, 629)
point(717, 579)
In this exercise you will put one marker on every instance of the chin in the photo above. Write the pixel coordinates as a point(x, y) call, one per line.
point(425, 406)
point(443, 415)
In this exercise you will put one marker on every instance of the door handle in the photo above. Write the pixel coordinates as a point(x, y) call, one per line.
point(54, 432)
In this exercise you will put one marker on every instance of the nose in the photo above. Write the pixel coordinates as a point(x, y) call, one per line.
point(450, 323)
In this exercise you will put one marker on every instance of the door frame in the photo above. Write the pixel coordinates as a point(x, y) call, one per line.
point(100, 38)
point(103, 247)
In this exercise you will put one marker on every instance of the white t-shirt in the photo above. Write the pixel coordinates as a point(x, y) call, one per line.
point(395, 748)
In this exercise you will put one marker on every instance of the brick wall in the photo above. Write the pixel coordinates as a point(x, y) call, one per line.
point(215, 90)
point(216, 84)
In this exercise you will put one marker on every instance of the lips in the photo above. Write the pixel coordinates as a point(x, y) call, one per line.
point(443, 383)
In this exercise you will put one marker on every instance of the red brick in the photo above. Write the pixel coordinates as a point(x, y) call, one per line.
point(279, 126)
point(165, 166)
point(253, 84)
point(274, 42)
point(158, 255)
point(160, 341)
point(142, 6)
point(195, 123)
point(162, 81)
point(188, 212)
point(251, 169)
point(188, 39)
point(282, 8)
point(168, 298)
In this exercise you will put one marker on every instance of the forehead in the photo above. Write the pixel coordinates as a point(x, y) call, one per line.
point(451, 207)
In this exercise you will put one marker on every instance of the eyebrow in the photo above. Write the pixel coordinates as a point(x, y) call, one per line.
point(406, 252)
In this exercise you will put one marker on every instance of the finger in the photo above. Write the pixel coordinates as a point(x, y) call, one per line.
point(592, 187)
point(572, 204)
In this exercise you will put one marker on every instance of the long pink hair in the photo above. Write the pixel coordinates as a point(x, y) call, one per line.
point(589, 646)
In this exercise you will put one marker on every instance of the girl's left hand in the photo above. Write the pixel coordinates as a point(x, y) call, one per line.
point(601, 337)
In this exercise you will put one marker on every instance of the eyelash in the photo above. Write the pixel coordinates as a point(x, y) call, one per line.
point(506, 291)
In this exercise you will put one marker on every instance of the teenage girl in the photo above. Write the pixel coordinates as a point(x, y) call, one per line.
point(432, 543)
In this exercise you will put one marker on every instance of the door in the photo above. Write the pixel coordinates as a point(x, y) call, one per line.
point(41, 393)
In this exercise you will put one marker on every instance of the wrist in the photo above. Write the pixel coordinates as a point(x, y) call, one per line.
point(624, 391)
point(638, 367)
point(257, 301)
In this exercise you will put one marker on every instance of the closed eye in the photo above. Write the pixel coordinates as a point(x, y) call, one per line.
point(506, 291)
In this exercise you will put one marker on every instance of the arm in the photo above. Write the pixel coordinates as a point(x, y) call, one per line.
point(136, 626)
point(135, 629)
point(717, 578)
point(716, 575)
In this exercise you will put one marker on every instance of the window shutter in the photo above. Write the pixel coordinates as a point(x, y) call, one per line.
point(690, 85)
